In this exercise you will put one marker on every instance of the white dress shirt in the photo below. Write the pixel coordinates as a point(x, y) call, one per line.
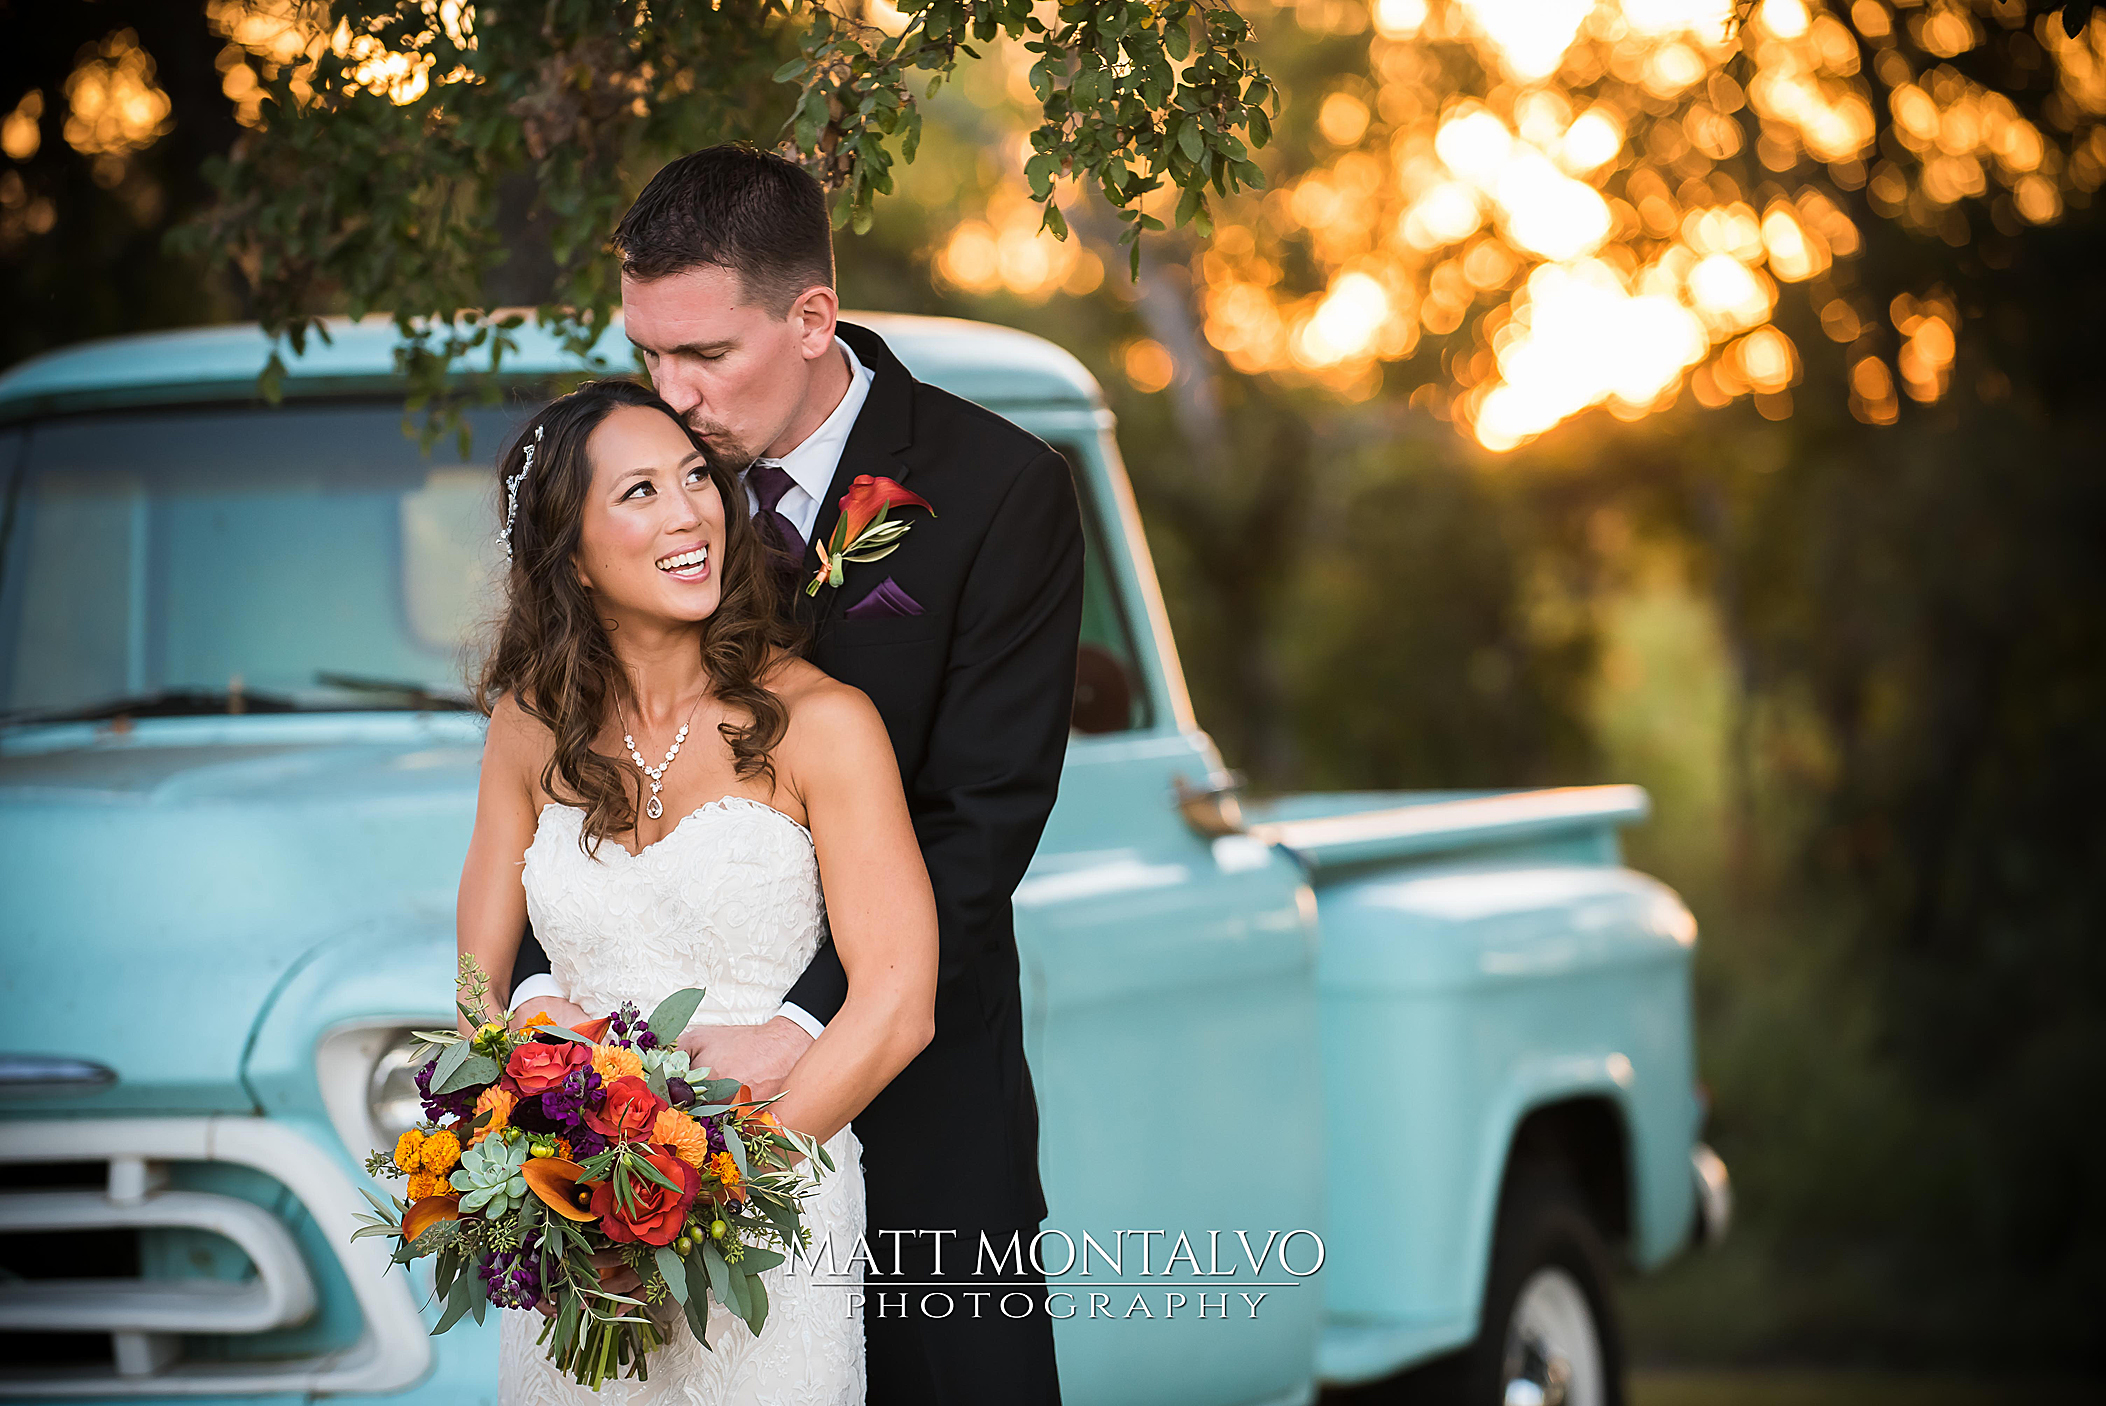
point(811, 464)
point(811, 468)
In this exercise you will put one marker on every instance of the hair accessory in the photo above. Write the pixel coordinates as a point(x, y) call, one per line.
point(504, 538)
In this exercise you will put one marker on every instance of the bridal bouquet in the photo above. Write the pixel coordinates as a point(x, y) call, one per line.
point(545, 1146)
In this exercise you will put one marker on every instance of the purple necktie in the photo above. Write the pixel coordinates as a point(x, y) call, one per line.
point(769, 481)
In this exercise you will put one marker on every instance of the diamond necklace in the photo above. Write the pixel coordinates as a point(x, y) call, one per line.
point(654, 807)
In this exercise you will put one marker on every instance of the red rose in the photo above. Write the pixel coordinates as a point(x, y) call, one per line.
point(627, 1110)
point(657, 1214)
point(537, 1068)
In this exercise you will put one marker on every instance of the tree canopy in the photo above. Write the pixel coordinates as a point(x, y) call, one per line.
point(431, 159)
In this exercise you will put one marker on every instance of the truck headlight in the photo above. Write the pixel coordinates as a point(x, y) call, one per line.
point(392, 1101)
point(367, 1070)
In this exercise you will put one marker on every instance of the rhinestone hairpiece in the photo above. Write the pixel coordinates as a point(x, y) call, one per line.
point(504, 538)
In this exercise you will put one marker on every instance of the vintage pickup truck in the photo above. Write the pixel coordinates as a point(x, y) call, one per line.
point(1445, 1036)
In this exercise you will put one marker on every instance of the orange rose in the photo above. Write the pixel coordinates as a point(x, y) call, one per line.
point(626, 1112)
point(656, 1215)
point(537, 1068)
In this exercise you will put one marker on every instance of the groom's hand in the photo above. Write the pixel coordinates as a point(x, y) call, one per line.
point(758, 1056)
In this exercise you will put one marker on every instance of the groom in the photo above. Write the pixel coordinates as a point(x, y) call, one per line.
point(965, 640)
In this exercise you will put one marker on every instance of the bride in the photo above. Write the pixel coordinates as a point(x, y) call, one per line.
point(676, 799)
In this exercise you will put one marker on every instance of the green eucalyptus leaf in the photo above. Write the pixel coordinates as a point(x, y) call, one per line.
point(673, 1271)
point(476, 1069)
point(673, 1014)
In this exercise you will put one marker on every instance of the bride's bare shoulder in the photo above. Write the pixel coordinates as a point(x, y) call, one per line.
point(516, 740)
point(823, 710)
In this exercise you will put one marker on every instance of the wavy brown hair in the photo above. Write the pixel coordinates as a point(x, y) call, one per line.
point(552, 650)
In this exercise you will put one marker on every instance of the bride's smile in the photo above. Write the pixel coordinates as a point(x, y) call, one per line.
point(653, 527)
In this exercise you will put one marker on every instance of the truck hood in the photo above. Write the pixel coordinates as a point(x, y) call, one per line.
point(163, 880)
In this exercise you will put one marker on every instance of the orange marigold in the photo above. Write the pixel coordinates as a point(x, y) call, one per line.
point(441, 1150)
point(425, 1184)
point(727, 1171)
point(409, 1150)
point(613, 1062)
point(497, 1103)
point(687, 1138)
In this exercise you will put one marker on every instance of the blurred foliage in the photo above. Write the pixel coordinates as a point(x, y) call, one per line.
point(1852, 636)
point(81, 231)
point(404, 152)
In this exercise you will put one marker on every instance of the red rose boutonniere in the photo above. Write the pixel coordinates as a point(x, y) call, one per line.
point(866, 531)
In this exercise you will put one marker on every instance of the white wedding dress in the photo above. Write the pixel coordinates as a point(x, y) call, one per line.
point(729, 901)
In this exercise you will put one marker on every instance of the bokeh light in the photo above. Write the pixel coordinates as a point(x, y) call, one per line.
point(1530, 208)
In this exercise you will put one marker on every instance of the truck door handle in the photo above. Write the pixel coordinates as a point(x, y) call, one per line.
point(1212, 811)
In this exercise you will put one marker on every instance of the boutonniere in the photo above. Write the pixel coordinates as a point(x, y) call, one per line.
point(867, 530)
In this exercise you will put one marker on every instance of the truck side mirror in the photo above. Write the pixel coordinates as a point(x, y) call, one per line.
point(1103, 692)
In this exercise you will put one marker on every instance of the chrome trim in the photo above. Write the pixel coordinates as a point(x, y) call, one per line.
point(31, 1075)
point(1376, 835)
point(392, 1350)
point(280, 1295)
point(1714, 1194)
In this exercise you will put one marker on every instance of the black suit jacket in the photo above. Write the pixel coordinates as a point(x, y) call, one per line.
point(976, 692)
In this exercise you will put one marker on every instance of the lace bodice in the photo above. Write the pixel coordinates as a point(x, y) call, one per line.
point(728, 900)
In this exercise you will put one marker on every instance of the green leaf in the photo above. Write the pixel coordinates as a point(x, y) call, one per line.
point(737, 1147)
point(756, 1314)
point(757, 1259)
point(567, 1323)
point(1188, 139)
point(722, 1282)
point(640, 1165)
point(674, 1271)
point(450, 1059)
point(457, 1302)
point(698, 1298)
point(673, 1014)
point(476, 1069)
point(791, 71)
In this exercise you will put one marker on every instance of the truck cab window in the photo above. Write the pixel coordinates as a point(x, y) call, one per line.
point(1109, 693)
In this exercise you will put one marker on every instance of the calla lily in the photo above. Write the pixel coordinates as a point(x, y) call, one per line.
point(427, 1213)
point(865, 531)
point(865, 499)
point(555, 1181)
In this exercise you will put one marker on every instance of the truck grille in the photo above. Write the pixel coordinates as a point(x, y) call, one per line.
point(190, 1256)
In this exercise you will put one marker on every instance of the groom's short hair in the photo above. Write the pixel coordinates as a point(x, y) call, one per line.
point(733, 207)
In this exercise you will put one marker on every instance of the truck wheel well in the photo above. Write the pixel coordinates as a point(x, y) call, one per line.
point(1582, 1139)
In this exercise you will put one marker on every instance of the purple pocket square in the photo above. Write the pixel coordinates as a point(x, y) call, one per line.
point(884, 602)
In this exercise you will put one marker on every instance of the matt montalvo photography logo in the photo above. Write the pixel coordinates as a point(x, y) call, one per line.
point(1145, 1275)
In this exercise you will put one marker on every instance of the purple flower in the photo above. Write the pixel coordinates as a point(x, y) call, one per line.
point(513, 1277)
point(646, 1039)
point(566, 1101)
point(715, 1128)
point(458, 1104)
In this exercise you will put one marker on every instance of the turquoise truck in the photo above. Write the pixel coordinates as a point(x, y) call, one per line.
point(1353, 1089)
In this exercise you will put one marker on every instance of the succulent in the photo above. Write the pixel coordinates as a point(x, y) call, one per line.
point(489, 1178)
point(667, 1061)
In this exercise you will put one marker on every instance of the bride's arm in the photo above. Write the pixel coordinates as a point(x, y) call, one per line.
point(491, 911)
point(878, 905)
